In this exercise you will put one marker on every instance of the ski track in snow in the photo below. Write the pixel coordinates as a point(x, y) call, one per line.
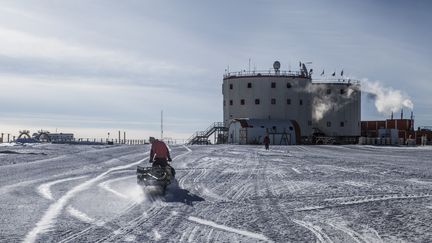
point(41, 160)
point(132, 224)
point(229, 229)
point(106, 185)
point(296, 170)
point(46, 221)
point(45, 189)
point(354, 235)
point(316, 230)
point(8, 188)
point(125, 231)
point(187, 148)
point(228, 193)
point(95, 223)
point(192, 234)
point(361, 200)
point(83, 217)
point(183, 154)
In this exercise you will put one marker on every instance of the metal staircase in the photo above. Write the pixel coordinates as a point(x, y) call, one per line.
point(202, 137)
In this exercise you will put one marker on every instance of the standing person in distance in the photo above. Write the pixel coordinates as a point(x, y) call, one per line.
point(266, 142)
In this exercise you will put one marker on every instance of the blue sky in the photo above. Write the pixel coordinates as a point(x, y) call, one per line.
point(92, 67)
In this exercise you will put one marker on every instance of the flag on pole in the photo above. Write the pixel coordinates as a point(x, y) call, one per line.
point(342, 72)
point(322, 74)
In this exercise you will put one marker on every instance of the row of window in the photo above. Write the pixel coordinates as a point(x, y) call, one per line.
point(257, 102)
point(341, 124)
point(273, 85)
point(288, 85)
point(329, 124)
point(341, 91)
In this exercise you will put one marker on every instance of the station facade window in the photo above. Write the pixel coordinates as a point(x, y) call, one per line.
point(231, 86)
point(273, 101)
point(249, 85)
point(288, 101)
point(273, 85)
point(242, 102)
point(231, 102)
point(257, 101)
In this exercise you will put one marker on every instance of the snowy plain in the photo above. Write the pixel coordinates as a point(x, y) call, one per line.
point(224, 193)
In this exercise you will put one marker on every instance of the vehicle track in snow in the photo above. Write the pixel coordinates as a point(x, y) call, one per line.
point(107, 224)
point(265, 189)
point(124, 230)
point(120, 226)
point(227, 193)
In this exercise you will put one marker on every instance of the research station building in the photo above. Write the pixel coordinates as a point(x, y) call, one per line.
point(259, 103)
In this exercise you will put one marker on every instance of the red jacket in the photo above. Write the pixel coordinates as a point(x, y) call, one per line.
point(159, 150)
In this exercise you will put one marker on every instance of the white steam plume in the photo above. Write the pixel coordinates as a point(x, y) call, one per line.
point(387, 99)
point(323, 103)
point(321, 107)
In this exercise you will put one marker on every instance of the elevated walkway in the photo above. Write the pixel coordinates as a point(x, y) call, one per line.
point(202, 137)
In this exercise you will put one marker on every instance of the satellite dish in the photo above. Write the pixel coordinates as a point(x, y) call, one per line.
point(276, 65)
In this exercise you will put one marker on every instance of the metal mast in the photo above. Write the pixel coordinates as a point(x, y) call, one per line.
point(161, 124)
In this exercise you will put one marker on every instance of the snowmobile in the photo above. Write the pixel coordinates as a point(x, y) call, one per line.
point(154, 177)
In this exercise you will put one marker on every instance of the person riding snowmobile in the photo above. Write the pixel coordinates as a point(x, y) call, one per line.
point(160, 155)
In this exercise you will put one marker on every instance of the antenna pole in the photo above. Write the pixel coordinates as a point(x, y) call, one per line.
point(249, 65)
point(161, 124)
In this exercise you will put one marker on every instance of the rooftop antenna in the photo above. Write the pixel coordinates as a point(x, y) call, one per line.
point(304, 70)
point(276, 66)
point(249, 65)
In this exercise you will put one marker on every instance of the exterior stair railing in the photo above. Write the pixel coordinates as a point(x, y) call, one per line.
point(202, 137)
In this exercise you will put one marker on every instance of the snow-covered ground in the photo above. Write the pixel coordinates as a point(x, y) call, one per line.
point(63, 193)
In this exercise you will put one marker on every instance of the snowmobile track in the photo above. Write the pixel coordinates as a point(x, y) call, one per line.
point(123, 230)
point(316, 230)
